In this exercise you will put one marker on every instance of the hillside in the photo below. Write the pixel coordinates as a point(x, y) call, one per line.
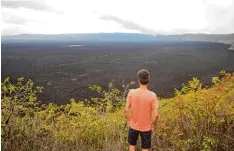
point(221, 38)
point(120, 37)
point(196, 118)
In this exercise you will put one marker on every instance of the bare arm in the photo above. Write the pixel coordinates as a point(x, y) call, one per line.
point(127, 106)
point(155, 116)
point(155, 110)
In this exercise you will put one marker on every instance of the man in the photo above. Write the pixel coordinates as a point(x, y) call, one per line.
point(141, 111)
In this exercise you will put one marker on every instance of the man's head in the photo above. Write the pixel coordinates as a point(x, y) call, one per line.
point(143, 76)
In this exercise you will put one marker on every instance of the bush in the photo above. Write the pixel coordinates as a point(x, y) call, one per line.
point(196, 118)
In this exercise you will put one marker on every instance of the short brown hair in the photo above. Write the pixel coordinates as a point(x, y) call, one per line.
point(143, 76)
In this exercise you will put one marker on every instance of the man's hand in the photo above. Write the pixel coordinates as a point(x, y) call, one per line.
point(155, 116)
point(155, 119)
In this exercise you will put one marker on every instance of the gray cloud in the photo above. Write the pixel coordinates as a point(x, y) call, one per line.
point(220, 19)
point(12, 30)
point(34, 5)
point(16, 20)
point(26, 4)
point(135, 26)
point(13, 16)
point(128, 24)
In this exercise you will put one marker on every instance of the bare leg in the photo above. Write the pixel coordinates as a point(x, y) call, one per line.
point(144, 149)
point(132, 148)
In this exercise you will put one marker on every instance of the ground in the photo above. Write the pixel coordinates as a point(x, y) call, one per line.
point(66, 70)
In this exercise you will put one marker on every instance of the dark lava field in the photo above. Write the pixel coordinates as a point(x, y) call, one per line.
point(66, 70)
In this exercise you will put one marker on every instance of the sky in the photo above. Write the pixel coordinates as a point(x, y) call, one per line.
point(106, 16)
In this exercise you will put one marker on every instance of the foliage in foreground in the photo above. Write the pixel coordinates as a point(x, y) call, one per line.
point(197, 118)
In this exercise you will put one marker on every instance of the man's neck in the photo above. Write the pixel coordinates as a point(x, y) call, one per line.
point(143, 86)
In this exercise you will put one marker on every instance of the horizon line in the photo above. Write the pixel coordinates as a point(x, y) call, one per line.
point(116, 33)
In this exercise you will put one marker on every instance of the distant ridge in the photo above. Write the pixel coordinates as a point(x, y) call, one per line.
point(120, 37)
point(221, 38)
point(80, 37)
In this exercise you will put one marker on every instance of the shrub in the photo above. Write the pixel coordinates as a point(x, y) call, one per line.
point(196, 118)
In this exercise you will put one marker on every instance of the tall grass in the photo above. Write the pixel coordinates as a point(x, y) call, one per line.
point(197, 118)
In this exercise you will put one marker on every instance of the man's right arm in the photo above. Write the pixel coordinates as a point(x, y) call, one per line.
point(127, 106)
point(154, 109)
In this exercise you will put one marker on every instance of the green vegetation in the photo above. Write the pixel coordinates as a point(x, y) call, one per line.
point(197, 118)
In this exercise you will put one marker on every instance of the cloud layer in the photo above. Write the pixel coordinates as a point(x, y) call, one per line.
point(128, 24)
point(35, 5)
point(151, 17)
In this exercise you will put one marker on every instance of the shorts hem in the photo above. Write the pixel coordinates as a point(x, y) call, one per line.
point(146, 147)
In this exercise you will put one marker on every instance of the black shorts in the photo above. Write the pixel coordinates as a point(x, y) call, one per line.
point(145, 138)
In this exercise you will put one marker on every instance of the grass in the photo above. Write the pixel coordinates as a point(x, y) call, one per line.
point(197, 118)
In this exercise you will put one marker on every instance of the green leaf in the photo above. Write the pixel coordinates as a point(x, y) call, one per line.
point(215, 80)
point(21, 79)
point(7, 79)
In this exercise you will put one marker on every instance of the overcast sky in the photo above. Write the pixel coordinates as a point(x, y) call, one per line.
point(93, 16)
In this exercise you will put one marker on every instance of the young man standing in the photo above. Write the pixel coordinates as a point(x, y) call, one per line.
point(141, 111)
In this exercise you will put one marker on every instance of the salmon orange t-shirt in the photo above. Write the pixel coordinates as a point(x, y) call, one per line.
point(142, 102)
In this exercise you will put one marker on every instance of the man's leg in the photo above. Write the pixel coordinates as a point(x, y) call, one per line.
point(132, 148)
point(132, 138)
point(146, 140)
